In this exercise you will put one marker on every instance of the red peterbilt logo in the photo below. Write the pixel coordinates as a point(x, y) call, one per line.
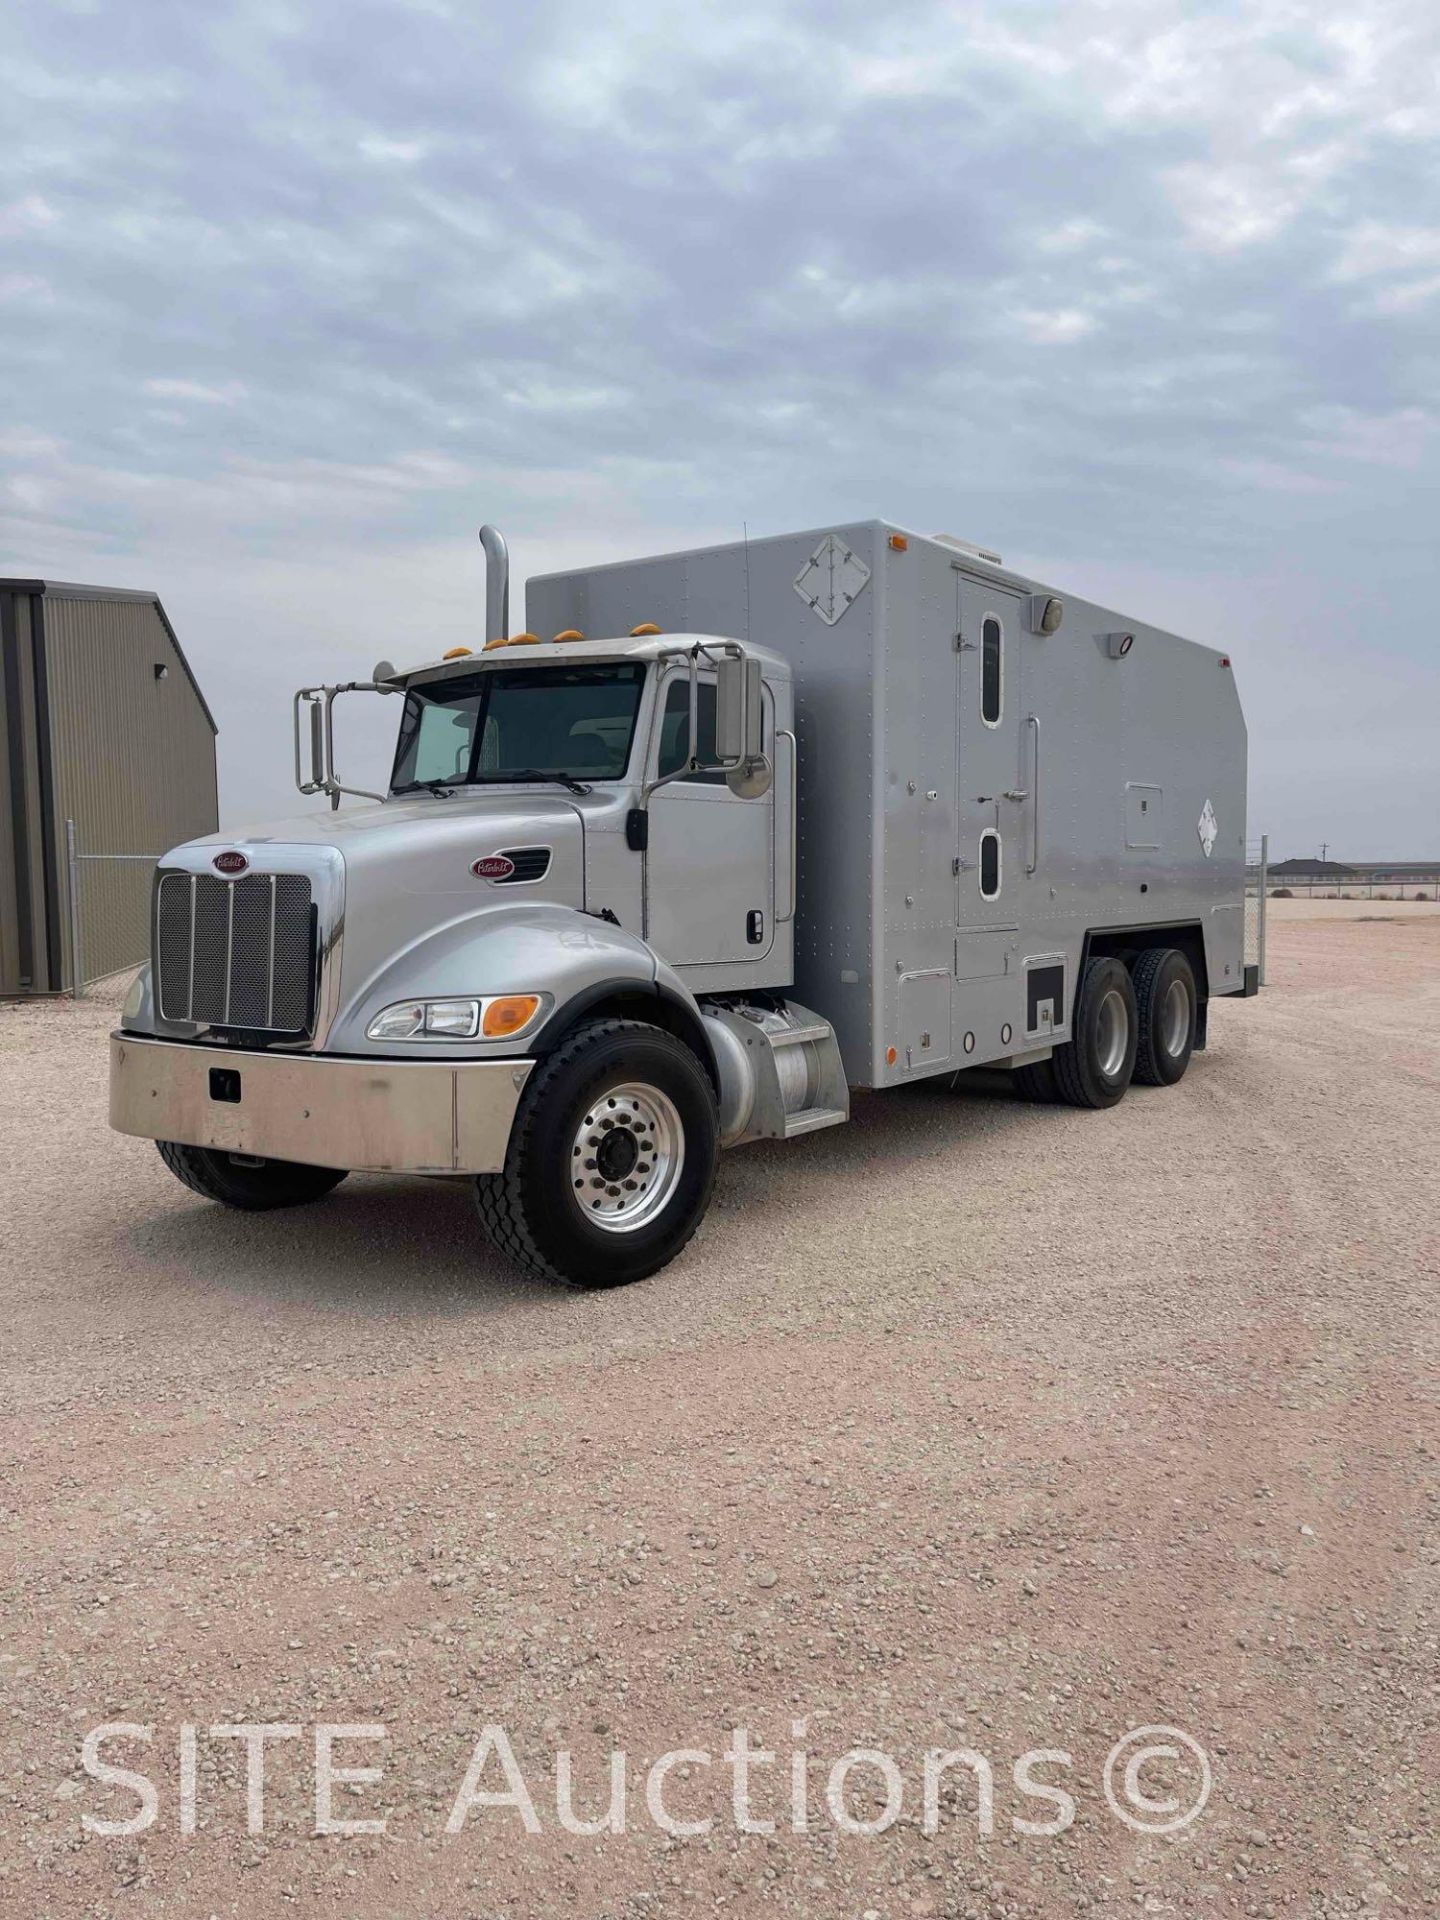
point(492, 866)
point(230, 863)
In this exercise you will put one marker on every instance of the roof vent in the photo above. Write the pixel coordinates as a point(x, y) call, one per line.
point(968, 546)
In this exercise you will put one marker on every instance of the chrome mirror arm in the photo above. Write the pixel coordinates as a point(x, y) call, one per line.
point(321, 701)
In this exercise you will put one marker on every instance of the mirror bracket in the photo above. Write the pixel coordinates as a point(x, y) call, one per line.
point(319, 703)
point(739, 719)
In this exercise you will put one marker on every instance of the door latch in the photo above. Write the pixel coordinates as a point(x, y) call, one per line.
point(755, 926)
point(1017, 793)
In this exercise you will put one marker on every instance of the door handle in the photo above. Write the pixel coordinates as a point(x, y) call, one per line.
point(1017, 793)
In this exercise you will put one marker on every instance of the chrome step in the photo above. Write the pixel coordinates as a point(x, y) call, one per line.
point(792, 1036)
point(811, 1119)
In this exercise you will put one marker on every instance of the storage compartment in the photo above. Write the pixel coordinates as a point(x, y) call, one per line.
point(924, 1006)
point(1143, 815)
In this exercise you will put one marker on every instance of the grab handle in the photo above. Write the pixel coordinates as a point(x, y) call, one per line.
point(1033, 720)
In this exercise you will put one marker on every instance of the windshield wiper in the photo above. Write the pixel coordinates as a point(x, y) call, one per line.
point(531, 773)
point(427, 786)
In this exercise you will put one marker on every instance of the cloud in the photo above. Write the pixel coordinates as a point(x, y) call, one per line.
point(292, 296)
point(226, 396)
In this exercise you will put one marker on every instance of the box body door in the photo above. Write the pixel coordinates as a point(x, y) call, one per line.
point(995, 799)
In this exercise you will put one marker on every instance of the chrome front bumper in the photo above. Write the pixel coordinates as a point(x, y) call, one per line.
point(375, 1116)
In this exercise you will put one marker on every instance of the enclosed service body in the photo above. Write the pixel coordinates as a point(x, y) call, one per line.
point(720, 836)
point(977, 797)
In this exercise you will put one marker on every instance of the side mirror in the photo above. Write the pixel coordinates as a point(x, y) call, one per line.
point(739, 712)
point(740, 726)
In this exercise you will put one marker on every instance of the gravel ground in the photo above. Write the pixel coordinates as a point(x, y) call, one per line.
point(970, 1425)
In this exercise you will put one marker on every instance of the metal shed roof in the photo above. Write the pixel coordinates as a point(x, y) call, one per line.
point(70, 590)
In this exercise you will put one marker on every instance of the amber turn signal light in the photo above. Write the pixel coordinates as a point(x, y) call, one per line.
point(508, 1014)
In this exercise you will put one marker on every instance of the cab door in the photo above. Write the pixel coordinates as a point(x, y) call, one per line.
point(993, 814)
point(710, 864)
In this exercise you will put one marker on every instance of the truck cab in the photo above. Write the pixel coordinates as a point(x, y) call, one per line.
point(583, 866)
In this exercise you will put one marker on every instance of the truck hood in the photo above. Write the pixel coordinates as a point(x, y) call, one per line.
point(423, 821)
point(409, 865)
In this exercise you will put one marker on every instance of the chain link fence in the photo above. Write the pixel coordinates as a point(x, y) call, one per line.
point(1257, 875)
point(109, 902)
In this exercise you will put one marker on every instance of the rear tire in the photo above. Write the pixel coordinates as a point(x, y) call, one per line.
point(1166, 1004)
point(252, 1186)
point(611, 1159)
point(1095, 1065)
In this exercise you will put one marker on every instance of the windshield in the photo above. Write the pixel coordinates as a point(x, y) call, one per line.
point(518, 723)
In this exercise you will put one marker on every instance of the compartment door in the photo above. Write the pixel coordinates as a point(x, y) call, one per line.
point(995, 798)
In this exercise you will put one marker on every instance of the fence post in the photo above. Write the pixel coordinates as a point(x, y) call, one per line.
point(1264, 897)
point(77, 968)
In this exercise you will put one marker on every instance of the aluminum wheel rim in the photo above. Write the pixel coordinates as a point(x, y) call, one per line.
point(1175, 1019)
point(626, 1157)
point(1112, 1033)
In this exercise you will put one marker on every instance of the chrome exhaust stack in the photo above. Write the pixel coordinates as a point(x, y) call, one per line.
point(497, 583)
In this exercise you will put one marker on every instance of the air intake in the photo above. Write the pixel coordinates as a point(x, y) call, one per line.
point(530, 863)
point(236, 953)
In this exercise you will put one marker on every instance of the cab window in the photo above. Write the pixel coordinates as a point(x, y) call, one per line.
point(675, 730)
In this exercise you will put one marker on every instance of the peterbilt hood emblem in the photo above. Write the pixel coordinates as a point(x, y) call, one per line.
point(492, 866)
point(231, 863)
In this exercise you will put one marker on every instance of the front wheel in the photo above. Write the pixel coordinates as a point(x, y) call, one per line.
point(241, 1180)
point(611, 1158)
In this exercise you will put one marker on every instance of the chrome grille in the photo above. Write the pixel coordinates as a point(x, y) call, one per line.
point(236, 953)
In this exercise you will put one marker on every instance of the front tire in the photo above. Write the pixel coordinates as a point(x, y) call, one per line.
point(254, 1186)
point(1036, 1083)
point(1166, 1003)
point(611, 1158)
point(1095, 1065)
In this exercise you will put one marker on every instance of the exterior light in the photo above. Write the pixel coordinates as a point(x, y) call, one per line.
point(452, 1019)
point(570, 633)
point(455, 653)
point(644, 630)
point(509, 1014)
point(162, 672)
point(1043, 613)
point(501, 1017)
point(898, 543)
point(398, 1023)
point(1117, 645)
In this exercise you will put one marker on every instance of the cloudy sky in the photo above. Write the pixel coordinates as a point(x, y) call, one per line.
point(1145, 294)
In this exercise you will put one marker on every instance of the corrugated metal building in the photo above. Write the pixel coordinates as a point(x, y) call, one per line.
point(103, 724)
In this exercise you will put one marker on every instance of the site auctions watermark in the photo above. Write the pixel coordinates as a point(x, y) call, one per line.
point(1155, 1779)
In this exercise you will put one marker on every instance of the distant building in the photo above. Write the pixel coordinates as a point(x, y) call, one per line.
point(103, 724)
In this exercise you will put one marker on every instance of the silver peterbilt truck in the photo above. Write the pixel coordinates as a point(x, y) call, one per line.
point(721, 836)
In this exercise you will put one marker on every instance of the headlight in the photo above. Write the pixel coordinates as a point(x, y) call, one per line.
point(503, 1017)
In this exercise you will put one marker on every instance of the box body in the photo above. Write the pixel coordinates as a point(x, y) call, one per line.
point(976, 799)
